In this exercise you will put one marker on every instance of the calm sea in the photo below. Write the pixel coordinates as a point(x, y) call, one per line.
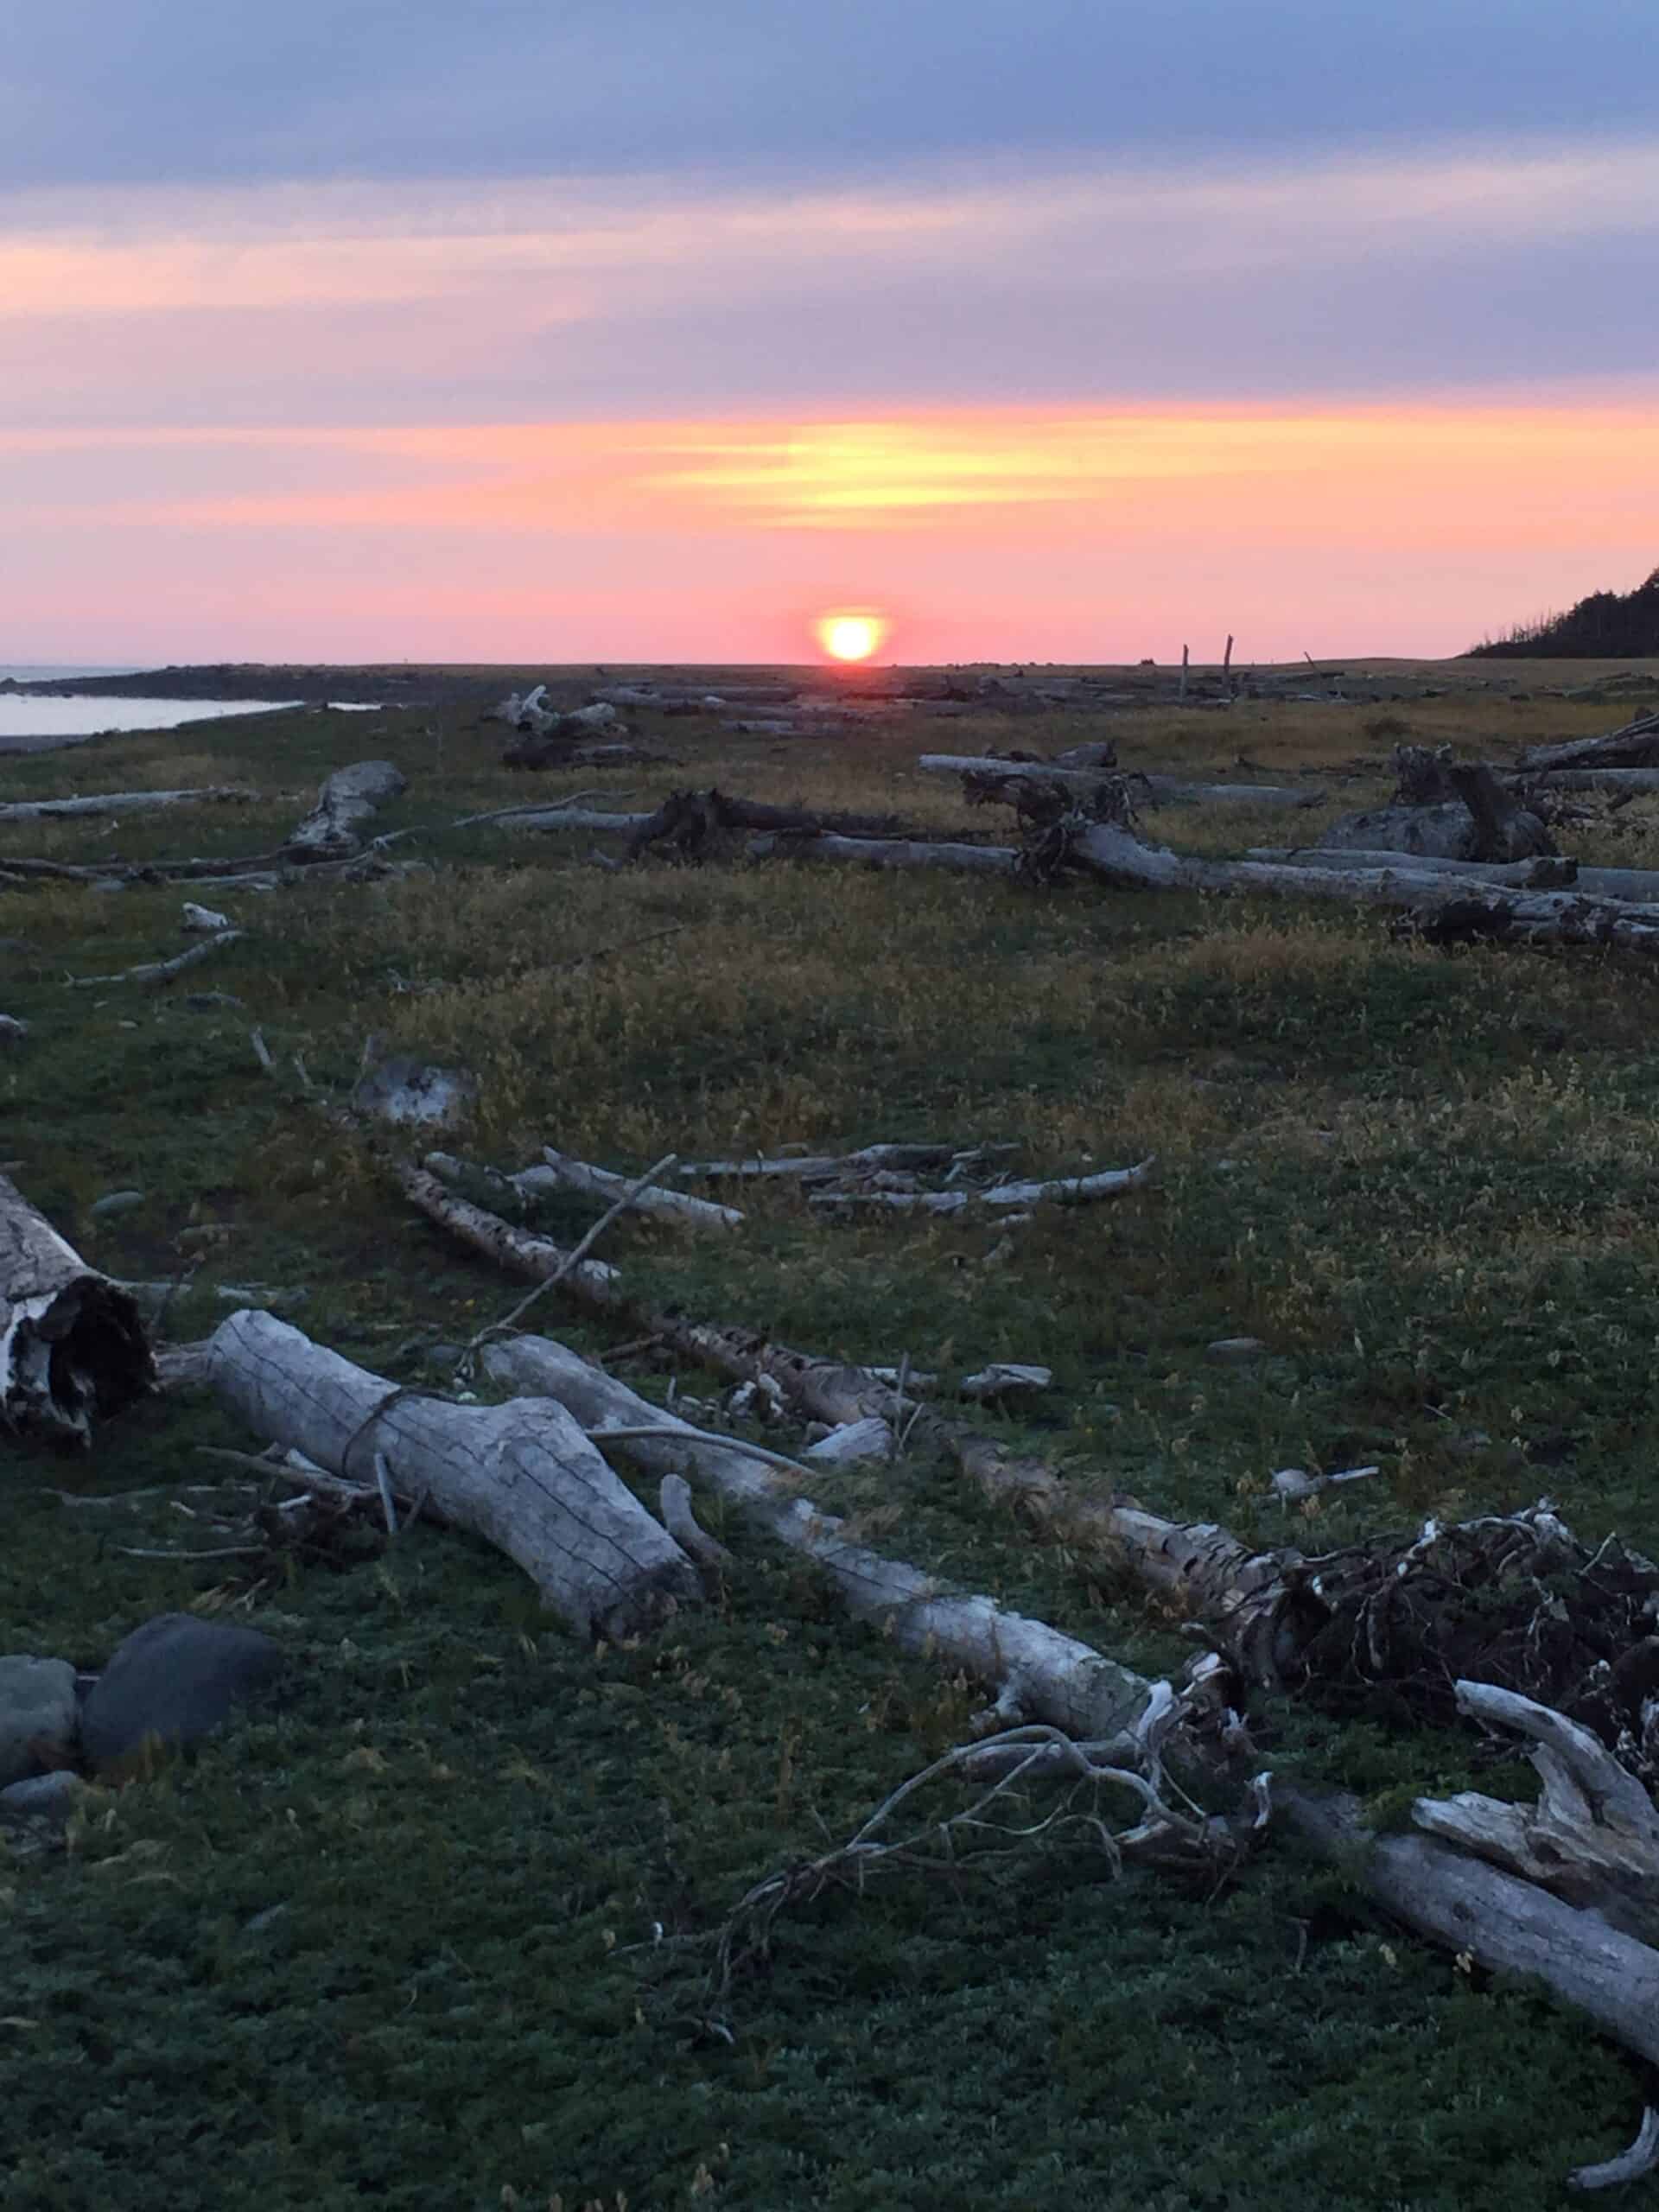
point(25, 722)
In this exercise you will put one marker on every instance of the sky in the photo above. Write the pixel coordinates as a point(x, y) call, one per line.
point(642, 330)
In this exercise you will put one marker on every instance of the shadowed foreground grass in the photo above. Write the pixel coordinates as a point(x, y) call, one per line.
point(421, 1937)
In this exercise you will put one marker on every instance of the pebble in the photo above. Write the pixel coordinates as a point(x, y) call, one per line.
point(1228, 1351)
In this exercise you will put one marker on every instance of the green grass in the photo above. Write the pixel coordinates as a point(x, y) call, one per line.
point(395, 1945)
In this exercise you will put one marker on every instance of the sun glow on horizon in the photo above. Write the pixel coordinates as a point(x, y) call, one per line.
point(850, 637)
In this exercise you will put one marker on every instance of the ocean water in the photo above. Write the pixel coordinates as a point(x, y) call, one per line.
point(26, 721)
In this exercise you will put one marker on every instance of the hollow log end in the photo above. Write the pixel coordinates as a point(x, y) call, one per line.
point(69, 1356)
point(650, 1603)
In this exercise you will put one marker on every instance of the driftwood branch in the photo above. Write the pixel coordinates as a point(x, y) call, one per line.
point(58, 809)
point(162, 972)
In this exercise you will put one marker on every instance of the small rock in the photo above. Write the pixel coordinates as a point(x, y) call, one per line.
point(115, 1202)
point(175, 1681)
point(1295, 1482)
point(37, 1703)
point(42, 1798)
point(1006, 1379)
point(203, 917)
point(12, 1031)
point(1234, 1351)
point(853, 1440)
point(206, 1002)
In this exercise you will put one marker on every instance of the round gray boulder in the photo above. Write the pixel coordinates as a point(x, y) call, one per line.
point(172, 1682)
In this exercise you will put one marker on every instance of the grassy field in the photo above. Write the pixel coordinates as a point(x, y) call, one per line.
point(395, 1945)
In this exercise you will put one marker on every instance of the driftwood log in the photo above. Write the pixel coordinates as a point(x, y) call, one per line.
point(72, 1342)
point(1036, 1672)
point(348, 799)
point(1635, 746)
point(991, 776)
point(520, 1475)
point(60, 809)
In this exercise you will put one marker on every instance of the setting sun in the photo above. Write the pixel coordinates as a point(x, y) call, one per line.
point(850, 637)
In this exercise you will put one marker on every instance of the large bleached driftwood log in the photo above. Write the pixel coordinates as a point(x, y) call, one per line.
point(1034, 1669)
point(60, 809)
point(347, 799)
point(72, 1342)
point(1631, 782)
point(152, 972)
point(520, 1475)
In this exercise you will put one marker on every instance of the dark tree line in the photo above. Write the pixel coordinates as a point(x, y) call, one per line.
point(1606, 625)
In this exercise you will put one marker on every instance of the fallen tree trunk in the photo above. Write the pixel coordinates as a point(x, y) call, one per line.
point(982, 777)
point(1635, 746)
point(888, 853)
point(1636, 886)
point(1064, 1190)
point(1499, 1920)
point(152, 972)
point(348, 798)
point(562, 1172)
point(1634, 781)
point(520, 1475)
point(72, 1342)
point(1037, 1672)
point(1448, 913)
point(58, 809)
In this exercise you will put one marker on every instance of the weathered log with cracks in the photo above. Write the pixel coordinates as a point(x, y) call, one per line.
point(1635, 746)
point(1036, 1672)
point(520, 1475)
point(348, 798)
point(72, 1342)
point(60, 809)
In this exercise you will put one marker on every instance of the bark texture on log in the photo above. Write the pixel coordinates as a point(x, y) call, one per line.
point(520, 1475)
point(1034, 1669)
point(72, 1342)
